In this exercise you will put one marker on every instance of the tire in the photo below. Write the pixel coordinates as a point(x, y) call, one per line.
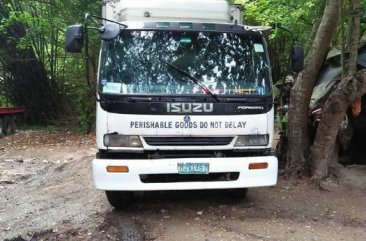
point(238, 193)
point(9, 125)
point(119, 199)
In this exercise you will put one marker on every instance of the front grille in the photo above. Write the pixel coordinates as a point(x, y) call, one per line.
point(169, 178)
point(188, 141)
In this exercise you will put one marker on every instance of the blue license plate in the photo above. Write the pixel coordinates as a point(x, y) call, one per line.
point(193, 168)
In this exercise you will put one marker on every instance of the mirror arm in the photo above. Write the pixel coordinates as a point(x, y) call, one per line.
point(98, 29)
point(92, 17)
point(86, 37)
point(87, 69)
point(279, 26)
point(105, 19)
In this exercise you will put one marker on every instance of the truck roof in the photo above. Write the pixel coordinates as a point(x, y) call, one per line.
point(199, 11)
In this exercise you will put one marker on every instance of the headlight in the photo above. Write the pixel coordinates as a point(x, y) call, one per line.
point(252, 140)
point(115, 140)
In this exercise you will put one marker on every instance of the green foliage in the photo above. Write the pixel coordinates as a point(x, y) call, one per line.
point(39, 34)
point(43, 24)
point(3, 100)
point(85, 107)
point(298, 15)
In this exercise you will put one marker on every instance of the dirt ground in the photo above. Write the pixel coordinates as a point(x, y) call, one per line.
point(47, 193)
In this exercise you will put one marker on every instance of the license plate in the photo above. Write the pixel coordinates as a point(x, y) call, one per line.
point(193, 168)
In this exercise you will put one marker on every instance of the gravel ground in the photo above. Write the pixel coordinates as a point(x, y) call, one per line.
point(47, 193)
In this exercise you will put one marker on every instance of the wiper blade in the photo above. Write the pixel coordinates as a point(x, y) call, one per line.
point(194, 79)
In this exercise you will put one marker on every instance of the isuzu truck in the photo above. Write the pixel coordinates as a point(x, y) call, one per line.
point(184, 99)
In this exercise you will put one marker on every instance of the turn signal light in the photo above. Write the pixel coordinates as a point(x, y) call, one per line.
point(114, 169)
point(256, 166)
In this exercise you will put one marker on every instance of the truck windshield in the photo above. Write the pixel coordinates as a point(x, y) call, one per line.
point(140, 63)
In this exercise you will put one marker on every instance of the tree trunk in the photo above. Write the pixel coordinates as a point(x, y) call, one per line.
point(355, 37)
point(337, 104)
point(342, 9)
point(298, 141)
point(335, 109)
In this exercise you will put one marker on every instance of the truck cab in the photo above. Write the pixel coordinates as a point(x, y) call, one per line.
point(185, 101)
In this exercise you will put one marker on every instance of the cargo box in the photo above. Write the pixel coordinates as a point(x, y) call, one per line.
point(208, 11)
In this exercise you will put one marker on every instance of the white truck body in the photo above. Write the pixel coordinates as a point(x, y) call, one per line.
point(215, 11)
point(180, 133)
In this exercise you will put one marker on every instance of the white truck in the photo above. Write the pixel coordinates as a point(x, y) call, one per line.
point(184, 99)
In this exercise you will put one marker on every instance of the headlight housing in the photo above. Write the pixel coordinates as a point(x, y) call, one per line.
point(252, 140)
point(115, 140)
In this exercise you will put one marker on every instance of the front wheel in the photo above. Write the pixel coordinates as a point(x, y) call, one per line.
point(119, 199)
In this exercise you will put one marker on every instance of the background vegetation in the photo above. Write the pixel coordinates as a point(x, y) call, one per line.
point(37, 73)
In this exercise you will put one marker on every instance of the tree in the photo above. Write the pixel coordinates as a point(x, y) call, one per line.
point(336, 106)
point(298, 140)
point(28, 84)
point(298, 16)
point(325, 24)
point(38, 74)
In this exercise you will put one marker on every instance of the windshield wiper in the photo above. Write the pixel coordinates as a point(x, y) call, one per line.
point(194, 79)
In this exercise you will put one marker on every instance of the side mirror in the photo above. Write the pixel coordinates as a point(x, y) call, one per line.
point(297, 60)
point(109, 31)
point(74, 38)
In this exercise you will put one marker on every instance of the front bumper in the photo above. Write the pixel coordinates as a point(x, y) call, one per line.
point(131, 181)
